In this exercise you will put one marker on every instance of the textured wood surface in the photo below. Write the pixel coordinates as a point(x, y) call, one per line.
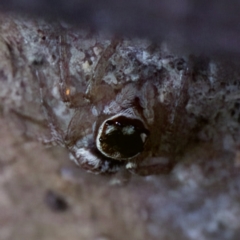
point(44, 196)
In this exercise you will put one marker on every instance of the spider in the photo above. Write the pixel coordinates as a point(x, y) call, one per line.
point(122, 107)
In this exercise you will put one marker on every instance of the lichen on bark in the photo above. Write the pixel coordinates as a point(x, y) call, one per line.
point(57, 80)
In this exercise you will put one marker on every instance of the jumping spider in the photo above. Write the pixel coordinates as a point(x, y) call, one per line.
point(124, 107)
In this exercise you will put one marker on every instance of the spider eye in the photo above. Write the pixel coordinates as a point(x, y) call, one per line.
point(121, 138)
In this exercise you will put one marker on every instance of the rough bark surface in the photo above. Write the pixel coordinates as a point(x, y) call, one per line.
point(44, 196)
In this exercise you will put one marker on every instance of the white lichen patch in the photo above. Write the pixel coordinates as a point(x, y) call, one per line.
point(110, 79)
point(76, 57)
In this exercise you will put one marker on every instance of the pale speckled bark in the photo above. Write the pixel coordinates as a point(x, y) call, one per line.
point(198, 200)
